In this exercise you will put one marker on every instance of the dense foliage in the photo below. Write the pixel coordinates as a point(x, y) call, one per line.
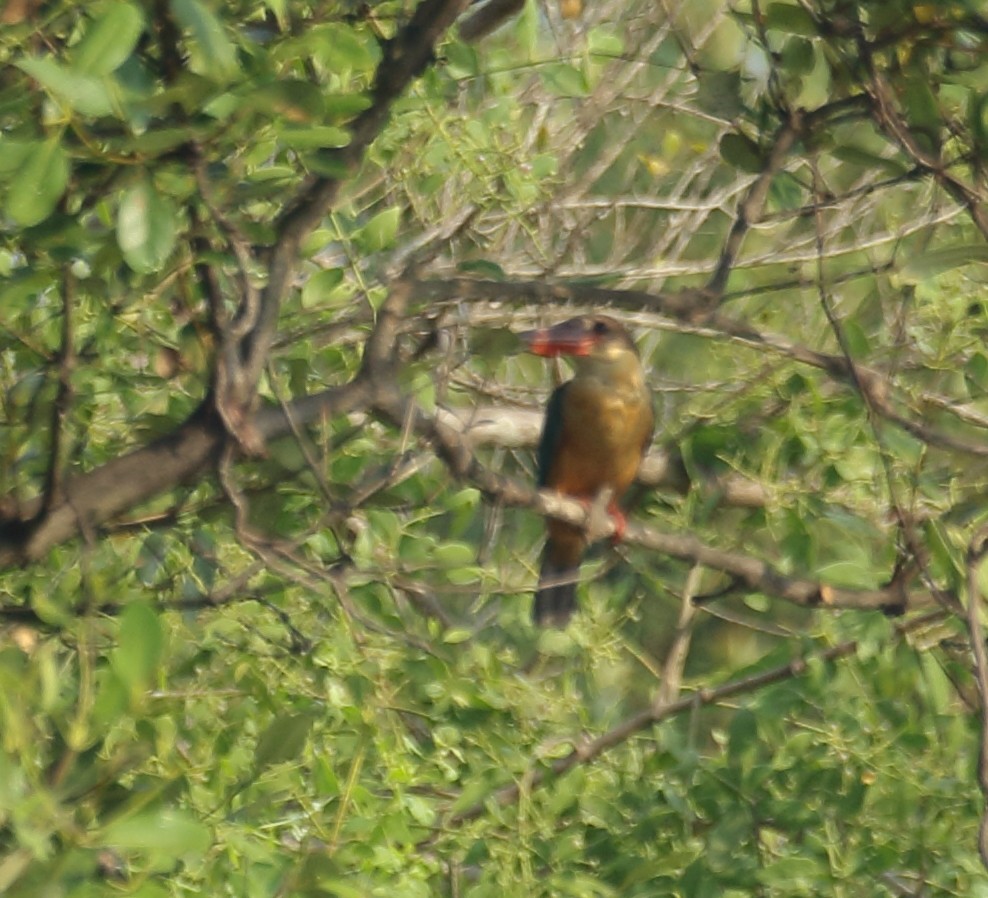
point(267, 525)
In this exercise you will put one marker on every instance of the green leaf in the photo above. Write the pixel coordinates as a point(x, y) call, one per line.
point(797, 56)
point(455, 554)
point(564, 80)
point(857, 340)
point(421, 811)
point(343, 49)
point(326, 162)
point(140, 642)
point(164, 833)
point(719, 93)
point(318, 287)
point(483, 268)
point(319, 137)
point(13, 154)
point(928, 265)
point(146, 228)
point(976, 371)
point(921, 105)
point(283, 740)
point(493, 344)
point(39, 183)
point(462, 60)
point(82, 93)
point(743, 733)
point(380, 232)
point(605, 41)
point(792, 873)
point(109, 40)
point(343, 107)
point(526, 29)
point(291, 98)
point(741, 152)
point(791, 19)
point(213, 54)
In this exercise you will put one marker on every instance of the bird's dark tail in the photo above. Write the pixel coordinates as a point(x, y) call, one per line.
point(555, 599)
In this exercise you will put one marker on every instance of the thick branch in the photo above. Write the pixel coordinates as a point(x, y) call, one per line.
point(489, 17)
point(98, 496)
point(89, 499)
point(757, 575)
point(663, 467)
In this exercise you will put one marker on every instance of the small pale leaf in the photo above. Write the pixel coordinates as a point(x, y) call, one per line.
point(109, 40)
point(38, 184)
point(145, 228)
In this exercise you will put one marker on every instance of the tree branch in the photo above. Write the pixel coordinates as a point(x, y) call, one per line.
point(63, 397)
point(757, 575)
point(489, 17)
point(689, 306)
point(91, 499)
point(753, 205)
point(976, 553)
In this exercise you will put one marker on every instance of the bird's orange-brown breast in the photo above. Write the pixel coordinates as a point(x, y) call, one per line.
point(602, 438)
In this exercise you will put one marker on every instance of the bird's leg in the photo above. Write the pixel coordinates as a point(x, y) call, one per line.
point(599, 512)
point(620, 523)
point(605, 507)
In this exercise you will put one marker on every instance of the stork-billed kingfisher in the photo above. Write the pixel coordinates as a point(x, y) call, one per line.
point(596, 430)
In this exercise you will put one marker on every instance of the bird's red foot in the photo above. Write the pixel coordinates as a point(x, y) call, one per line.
point(620, 523)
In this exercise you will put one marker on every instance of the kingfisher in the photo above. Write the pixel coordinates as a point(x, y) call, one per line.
point(597, 428)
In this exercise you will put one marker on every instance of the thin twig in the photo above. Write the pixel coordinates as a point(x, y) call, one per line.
point(63, 397)
point(977, 551)
point(874, 406)
point(675, 663)
point(751, 208)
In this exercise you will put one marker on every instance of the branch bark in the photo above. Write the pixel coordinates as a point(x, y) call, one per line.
point(98, 496)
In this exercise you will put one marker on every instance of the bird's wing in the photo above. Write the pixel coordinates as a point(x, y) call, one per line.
point(552, 431)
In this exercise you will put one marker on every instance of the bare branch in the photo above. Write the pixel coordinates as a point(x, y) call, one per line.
point(489, 17)
point(517, 428)
point(878, 409)
point(690, 307)
point(675, 663)
point(751, 208)
point(893, 124)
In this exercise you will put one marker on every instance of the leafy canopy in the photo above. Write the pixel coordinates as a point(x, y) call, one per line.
point(267, 522)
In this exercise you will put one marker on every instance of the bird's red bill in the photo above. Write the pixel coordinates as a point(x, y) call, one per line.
point(563, 339)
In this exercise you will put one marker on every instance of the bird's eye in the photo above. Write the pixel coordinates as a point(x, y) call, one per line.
point(600, 328)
